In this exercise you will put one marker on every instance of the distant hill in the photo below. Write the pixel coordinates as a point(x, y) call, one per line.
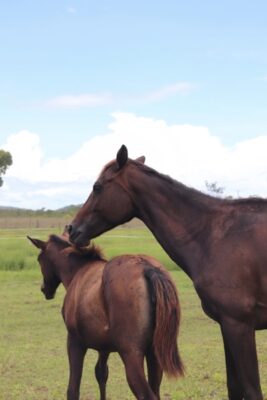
point(21, 212)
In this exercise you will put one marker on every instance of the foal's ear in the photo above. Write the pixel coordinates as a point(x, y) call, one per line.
point(122, 156)
point(141, 159)
point(60, 241)
point(40, 244)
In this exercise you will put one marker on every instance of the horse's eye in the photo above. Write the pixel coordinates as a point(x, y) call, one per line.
point(97, 187)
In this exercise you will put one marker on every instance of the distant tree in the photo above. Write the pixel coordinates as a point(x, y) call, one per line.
point(5, 162)
point(214, 188)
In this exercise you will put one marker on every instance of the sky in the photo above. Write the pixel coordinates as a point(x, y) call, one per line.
point(183, 83)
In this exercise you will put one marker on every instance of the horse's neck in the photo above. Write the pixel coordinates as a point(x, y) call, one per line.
point(178, 217)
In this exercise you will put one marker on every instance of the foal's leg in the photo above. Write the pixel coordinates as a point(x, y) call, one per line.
point(134, 366)
point(76, 353)
point(235, 390)
point(154, 373)
point(101, 373)
point(240, 340)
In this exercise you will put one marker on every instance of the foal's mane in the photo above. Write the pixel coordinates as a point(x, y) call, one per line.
point(90, 253)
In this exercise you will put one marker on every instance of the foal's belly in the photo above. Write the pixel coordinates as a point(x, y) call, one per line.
point(85, 316)
point(93, 330)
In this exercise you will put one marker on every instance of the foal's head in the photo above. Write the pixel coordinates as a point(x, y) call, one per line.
point(109, 204)
point(48, 262)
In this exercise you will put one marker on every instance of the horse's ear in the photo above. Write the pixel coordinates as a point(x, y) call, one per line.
point(141, 159)
point(40, 244)
point(122, 156)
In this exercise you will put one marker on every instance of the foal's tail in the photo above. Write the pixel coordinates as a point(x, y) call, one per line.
point(167, 319)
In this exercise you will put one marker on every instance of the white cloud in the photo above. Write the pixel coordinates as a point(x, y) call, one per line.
point(170, 90)
point(79, 101)
point(26, 154)
point(71, 10)
point(191, 154)
point(88, 100)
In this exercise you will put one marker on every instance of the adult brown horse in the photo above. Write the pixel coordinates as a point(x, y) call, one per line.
point(128, 305)
point(220, 244)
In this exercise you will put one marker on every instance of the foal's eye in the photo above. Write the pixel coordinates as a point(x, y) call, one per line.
point(97, 187)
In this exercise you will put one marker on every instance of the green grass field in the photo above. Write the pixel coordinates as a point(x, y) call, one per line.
point(33, 359)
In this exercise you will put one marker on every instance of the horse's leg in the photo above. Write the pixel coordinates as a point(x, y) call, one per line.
point(101, 373)
point(240, 340)
point(134, 366)
point(235, 390)
point(155, 373)
point(76, 353)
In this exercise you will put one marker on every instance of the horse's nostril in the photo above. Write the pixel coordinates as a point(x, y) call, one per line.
point(69, 228)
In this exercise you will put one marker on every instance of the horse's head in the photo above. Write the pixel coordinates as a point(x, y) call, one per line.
point(46, 259)
point(109, 204)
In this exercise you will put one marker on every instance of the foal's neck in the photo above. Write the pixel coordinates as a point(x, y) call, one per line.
point(179, 217)
point(67, 269)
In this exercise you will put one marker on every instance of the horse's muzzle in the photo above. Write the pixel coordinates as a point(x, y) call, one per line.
point(77, 236)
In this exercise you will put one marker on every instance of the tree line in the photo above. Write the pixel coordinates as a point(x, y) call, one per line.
point(5, 162)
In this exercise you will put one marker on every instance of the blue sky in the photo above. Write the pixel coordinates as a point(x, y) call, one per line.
point(68, 66)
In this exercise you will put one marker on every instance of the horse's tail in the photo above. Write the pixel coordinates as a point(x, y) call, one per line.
point(167, 319)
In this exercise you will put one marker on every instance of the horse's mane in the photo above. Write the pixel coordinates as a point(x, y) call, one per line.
point(90, 253)
point(107, 166)
point(252, 201)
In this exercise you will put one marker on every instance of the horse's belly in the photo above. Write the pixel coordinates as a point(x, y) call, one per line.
point(261, 315)
point(236, 305)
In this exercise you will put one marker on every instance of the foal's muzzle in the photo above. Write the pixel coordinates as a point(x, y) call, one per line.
point(48, 295)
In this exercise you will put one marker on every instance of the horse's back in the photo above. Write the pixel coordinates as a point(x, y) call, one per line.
point(127, 300)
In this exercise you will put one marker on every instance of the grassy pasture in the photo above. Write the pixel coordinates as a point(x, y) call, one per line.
point(33, 359)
